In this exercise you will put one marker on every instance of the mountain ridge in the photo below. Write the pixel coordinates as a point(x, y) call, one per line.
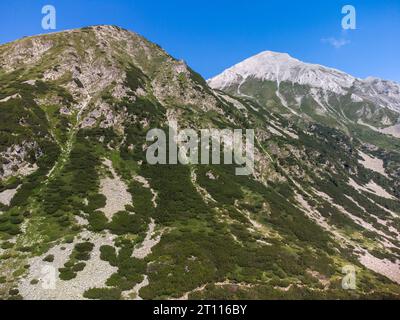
point(280, 67)
point(285, 54)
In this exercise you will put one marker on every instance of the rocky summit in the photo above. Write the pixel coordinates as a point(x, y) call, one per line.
point(83, 215)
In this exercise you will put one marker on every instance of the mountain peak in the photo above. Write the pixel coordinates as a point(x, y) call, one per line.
point(280, 67)
point(274, 55)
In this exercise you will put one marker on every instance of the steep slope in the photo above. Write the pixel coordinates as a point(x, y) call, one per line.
point(92, 219)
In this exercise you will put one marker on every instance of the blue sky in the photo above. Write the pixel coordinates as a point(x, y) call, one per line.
point(213, 35)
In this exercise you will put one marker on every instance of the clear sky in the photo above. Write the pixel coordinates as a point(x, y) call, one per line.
point(213, 35)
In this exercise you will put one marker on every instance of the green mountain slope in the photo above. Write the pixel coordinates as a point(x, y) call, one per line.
point(83, 210)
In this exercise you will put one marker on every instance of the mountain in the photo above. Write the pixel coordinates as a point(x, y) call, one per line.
point(84, 215)
point(314, 91)
point(280, 67)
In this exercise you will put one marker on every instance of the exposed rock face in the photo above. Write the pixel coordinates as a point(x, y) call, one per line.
point(51, 287)
point(26, 52)
point(7, 195)
point(117, 197)
point(19, 160)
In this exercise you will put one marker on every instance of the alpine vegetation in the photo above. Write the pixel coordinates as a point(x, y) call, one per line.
point(126, 175)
